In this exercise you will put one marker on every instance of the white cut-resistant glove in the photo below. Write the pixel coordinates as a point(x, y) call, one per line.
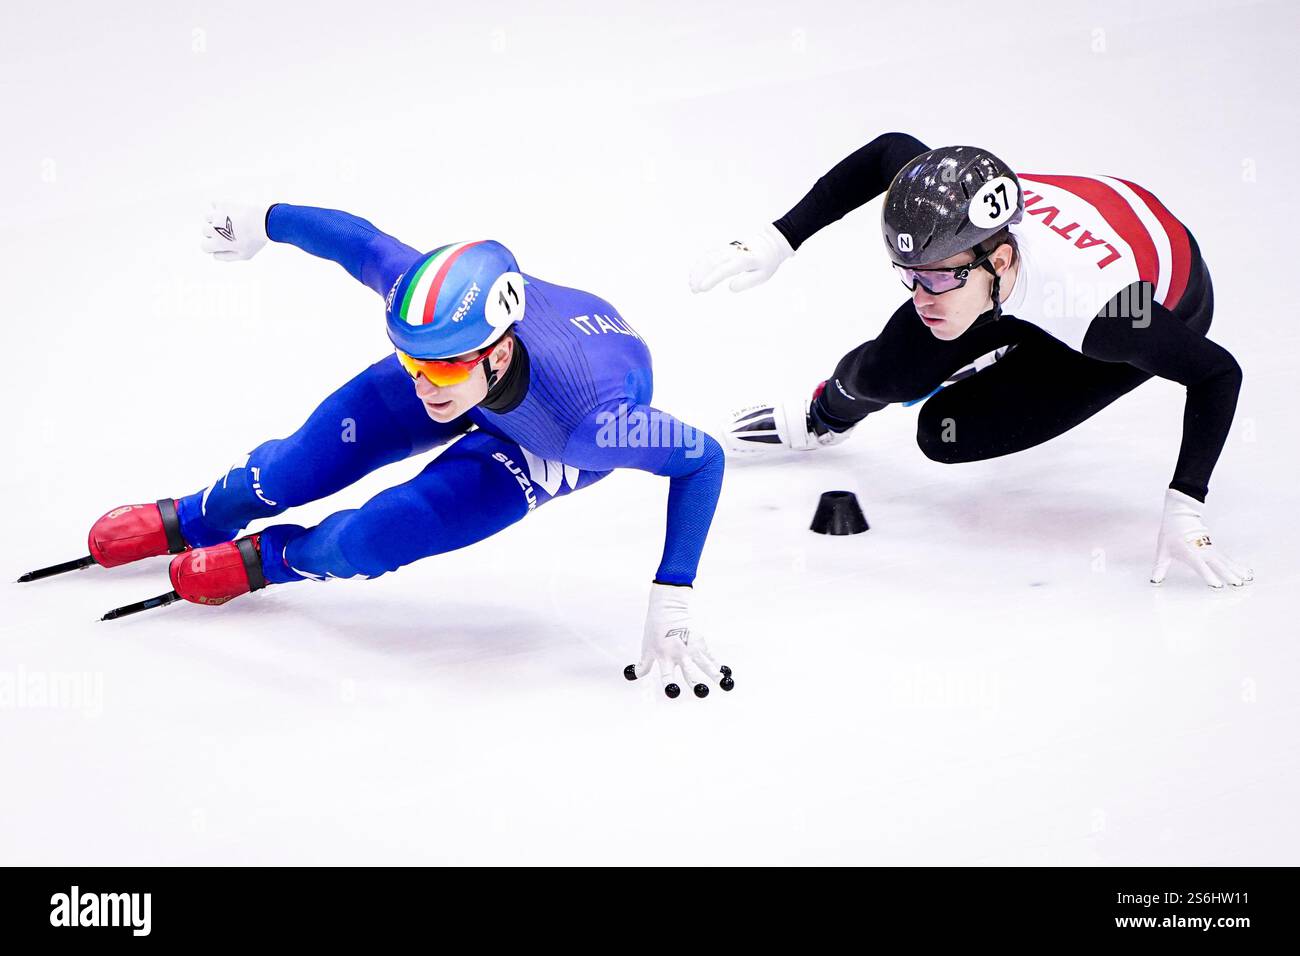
point(234, 230)
point(670, 641)
point(1184, 537)
point(751, 261)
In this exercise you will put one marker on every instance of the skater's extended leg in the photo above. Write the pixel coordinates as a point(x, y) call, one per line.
point(479, 486)
point(373, 420)
point(1041, 389)
point(905, 362)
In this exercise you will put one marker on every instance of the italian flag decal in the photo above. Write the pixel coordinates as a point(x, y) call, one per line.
point(422, 292)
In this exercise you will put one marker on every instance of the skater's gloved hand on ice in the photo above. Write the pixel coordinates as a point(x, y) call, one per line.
point(751, 261)
point(670, 641)
point(1184, 537)
point(234, 230)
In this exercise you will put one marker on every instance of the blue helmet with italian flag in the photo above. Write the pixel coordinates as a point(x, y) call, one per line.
point(456, 299)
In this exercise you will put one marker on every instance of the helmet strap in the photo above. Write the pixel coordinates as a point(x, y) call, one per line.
point(997, 281)
point(493, 375)
point(488, 370)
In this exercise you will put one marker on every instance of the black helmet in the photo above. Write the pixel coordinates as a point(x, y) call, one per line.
point(947, 201)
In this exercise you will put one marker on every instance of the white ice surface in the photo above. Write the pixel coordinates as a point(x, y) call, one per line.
point(984, 677)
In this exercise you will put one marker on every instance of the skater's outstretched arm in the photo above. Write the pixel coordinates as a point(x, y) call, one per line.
point(370, 256)
point(642, 437)
point(853, 182)
point(234, 231)
point(1164, 345)
point(1158, 341)
point(647, 439)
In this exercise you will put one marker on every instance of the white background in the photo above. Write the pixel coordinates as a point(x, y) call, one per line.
point(984, 677)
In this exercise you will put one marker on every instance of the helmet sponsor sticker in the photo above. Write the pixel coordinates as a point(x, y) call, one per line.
point(388, 300)
point(465, 302)
point(995, 203)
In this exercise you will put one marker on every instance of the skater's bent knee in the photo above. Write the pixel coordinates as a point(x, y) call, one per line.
point(937, 437)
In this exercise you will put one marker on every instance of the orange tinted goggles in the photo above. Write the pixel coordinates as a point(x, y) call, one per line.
point(440, 372)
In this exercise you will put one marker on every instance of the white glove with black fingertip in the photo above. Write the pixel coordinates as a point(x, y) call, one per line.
point(670, 641)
